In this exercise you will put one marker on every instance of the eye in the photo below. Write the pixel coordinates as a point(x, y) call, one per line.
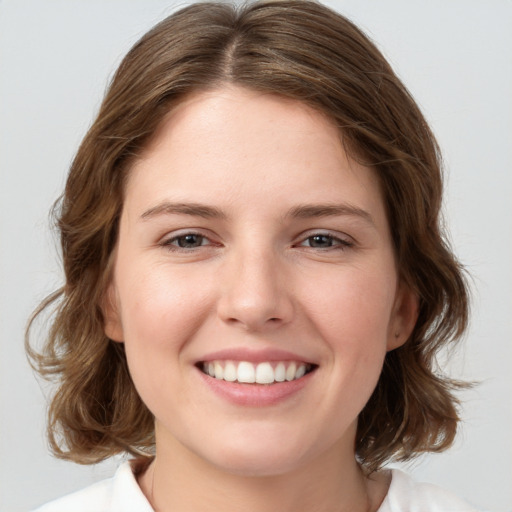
point(325, 241)
point(185, 241)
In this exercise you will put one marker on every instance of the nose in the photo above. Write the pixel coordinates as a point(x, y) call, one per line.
point(255, 291)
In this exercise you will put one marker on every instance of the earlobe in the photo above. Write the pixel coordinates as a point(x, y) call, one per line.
point(112, 320)
point(405, 315)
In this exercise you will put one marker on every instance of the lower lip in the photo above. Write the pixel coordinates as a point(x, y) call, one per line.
point(255, 395)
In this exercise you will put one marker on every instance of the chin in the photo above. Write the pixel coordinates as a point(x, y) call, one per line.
point(257, 465)
point(258, 455)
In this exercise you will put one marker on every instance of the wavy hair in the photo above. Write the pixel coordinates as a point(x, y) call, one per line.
point(298, 49)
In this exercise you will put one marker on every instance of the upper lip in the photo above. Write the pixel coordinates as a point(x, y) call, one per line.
point(253, 356)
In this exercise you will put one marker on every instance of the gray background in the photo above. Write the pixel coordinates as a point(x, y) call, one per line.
point(455, 56)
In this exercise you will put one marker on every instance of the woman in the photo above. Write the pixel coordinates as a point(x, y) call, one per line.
point(256, 280)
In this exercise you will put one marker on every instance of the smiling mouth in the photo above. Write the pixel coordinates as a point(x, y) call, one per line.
point(261, 373)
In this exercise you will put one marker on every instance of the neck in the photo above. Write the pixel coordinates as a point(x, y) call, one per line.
point(180, 481)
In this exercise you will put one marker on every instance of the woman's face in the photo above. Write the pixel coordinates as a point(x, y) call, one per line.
point(252, 248)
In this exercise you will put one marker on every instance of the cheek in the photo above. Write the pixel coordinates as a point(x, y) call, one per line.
point(160, 312)
point(351, 311)
point(352, 307)
point(160, 307)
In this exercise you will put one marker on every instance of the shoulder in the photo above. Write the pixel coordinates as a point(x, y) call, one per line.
point(407, 495)
point(97, 497)
point(118, 494)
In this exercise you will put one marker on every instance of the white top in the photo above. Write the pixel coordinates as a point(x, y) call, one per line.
point(123, 494)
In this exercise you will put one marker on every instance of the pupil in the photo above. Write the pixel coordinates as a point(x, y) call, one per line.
point(190, 240)
point(322, 241)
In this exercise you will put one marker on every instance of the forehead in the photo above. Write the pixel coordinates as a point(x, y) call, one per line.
point(232, 143)
point(215, 111)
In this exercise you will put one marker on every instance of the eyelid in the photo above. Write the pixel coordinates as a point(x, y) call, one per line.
point(344, 239)
point(169, 238)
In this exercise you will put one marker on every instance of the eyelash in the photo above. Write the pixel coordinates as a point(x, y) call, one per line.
point(342, 244)
point(168, 243)
point(338, 243)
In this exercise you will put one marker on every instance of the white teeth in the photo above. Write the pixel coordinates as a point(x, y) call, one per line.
point(264, 373)
point(246, 373)
point(249, 373)
point(290, 372)
point(280, 372)
point(301, 371)
point(219, 371)
point(230, 372)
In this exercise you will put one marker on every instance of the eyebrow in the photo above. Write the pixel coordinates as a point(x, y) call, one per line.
point(306, 211)
point(329, 210)
point(193, 209)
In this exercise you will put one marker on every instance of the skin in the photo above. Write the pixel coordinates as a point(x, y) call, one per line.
point(257, 280)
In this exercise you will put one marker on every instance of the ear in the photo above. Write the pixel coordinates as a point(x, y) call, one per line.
point(403, 318)
point(112, 319)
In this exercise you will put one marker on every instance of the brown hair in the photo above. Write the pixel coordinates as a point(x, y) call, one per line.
point(300, 50)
